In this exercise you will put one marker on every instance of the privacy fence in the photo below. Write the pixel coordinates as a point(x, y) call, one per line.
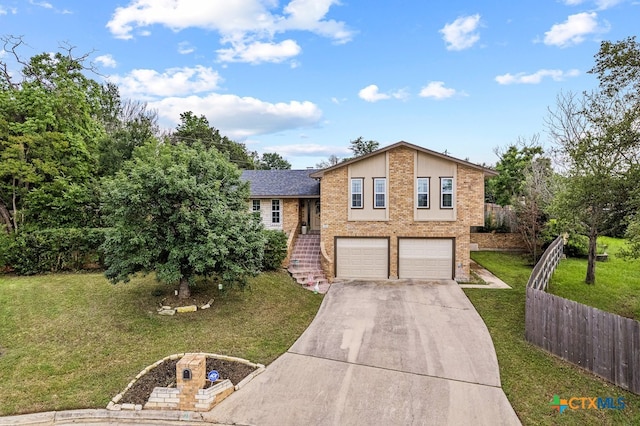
point(606, 344)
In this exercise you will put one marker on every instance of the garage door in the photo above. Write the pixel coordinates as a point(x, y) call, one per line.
point(425, 258)
point(362, 258)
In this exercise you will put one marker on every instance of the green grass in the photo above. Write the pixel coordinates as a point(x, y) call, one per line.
point(531, 376)
point(74, 340)
point(617, 287)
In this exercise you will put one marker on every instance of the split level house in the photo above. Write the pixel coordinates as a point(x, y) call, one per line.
point(402, 211)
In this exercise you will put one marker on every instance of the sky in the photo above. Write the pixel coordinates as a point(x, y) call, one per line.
point(303, 78)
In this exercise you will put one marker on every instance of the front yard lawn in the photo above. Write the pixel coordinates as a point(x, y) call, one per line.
point(75, 340)
point(530, 376)
point(617, 287)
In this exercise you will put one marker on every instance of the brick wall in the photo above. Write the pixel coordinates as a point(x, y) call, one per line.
point(469, 206)
point(290, 224)
point(498, 241)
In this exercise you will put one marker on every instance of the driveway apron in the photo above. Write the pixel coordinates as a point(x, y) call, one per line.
point(381, 353)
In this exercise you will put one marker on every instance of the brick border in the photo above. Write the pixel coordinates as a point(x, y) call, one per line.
point(114, 404)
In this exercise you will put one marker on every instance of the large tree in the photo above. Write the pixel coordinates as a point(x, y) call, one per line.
point(128, 124)
point(273, 161)
point(597, 143)
point(360, 147)
point(513, 161)
point(194, 130)
point(49, 126)
point(532, 203)
point(180, 211)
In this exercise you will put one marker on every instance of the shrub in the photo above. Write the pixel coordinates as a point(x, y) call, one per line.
point(577, 245)
point(6, 247)
point(53, 250)
point(275, 250)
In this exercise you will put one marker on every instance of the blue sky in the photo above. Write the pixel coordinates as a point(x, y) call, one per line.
point(305, 77)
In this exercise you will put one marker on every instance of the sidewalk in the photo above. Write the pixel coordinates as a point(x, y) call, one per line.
point(491, 280)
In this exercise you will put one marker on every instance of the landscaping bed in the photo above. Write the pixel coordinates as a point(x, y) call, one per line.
point(164, 375)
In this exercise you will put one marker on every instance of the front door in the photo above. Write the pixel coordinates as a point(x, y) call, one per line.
point(313, 207)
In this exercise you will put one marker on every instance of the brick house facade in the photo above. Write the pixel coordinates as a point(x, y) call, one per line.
point(403, 220)
point(402, 211)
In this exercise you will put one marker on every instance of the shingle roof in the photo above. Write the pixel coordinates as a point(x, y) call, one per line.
point(282, 183)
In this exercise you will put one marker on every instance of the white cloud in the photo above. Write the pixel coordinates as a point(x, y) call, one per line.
point(306, 149)
point(536, 78)
point(248, 26)
point(44, 4)
point(436, 90)
point(184, 48)
point(106, 61)
point(372, 93)
point(600, 4)
point(241, 117)
point(461, 34)
point(260, 52)
point(146, 84)
point(573, 30)
point(4, 10)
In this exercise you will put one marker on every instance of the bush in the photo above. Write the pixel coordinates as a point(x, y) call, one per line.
point(53, 250)
point(577, 246)
point(6, 247)
point(275, 250)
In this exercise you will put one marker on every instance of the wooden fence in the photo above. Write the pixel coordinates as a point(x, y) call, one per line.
point(603, 343)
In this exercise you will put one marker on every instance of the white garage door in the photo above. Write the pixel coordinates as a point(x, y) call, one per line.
point(425, 258)
point(362, 258)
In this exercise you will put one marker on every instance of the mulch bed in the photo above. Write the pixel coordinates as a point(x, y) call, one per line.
point(164, 375)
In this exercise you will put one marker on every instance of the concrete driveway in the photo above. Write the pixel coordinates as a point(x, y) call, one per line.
point(381, 353)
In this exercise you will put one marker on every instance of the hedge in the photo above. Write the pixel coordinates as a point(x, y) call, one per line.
point(51, 250)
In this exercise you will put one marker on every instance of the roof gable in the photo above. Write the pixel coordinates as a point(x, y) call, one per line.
point(486, 171)
point(281, 183)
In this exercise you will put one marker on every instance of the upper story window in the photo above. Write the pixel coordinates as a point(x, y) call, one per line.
point(356, 193)
point(256, 206)
point(423, 193)
point(446, 193)
point(275, 211)
point(379, 193)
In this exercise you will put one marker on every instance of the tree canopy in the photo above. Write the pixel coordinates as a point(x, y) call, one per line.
point(48, 131)
point(360, 147)
point(273, 161)
point(514, 160)
point(180, 211)
point(194, 130)
point(598, 142)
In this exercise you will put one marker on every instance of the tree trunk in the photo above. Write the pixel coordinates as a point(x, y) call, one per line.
point(184, 292)
point(5, 217)
point(591, 262)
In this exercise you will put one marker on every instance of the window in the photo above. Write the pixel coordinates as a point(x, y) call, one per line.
point(379, 193)
point(275, 211)
point(356, 193)
point(256, 205)
point(423, 193)
point(446, 193)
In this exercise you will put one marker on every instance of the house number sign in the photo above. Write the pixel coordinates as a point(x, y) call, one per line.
point(213, 375)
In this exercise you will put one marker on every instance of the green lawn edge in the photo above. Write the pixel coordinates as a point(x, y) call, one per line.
point(71, 341)
point(530, 376)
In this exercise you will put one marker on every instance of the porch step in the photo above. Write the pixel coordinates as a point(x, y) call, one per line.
point(305, 260)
